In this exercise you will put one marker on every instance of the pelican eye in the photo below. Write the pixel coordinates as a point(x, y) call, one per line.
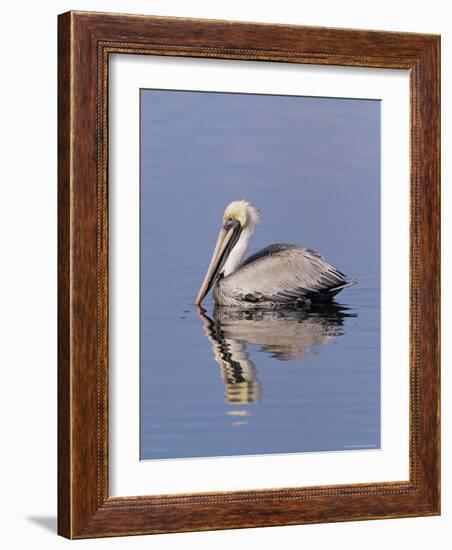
point(230, 222)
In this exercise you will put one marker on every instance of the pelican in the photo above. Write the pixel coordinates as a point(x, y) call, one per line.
point(279, 275)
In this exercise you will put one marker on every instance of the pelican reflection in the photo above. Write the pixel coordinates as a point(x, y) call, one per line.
point(281, 333)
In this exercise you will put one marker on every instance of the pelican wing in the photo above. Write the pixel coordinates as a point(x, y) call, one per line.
point(284, 273)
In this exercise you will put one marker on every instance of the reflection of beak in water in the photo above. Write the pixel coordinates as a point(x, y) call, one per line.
point(283, 334)
point(237, 370)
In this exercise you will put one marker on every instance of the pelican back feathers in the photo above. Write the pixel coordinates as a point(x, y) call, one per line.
point(280, 275)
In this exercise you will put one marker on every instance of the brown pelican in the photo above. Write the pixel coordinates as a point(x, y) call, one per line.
point(279, 275)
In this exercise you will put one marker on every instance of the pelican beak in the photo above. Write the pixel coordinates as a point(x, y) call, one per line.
point(227, 239)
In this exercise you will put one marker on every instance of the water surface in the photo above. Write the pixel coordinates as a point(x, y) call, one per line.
point(216, 382)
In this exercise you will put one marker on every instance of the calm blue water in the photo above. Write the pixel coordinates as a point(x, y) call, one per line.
point(227, 383)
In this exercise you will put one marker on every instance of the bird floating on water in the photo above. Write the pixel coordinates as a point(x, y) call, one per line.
point(279, 275)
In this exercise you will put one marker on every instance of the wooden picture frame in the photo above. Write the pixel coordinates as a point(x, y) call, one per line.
point(85, 42)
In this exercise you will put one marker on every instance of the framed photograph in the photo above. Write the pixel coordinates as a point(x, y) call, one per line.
point(248, 275)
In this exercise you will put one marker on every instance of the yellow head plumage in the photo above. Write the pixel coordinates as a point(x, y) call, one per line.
point(243, 212)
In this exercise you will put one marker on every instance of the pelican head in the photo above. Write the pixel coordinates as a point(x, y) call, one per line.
point(239, 221)
point(243, 212)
